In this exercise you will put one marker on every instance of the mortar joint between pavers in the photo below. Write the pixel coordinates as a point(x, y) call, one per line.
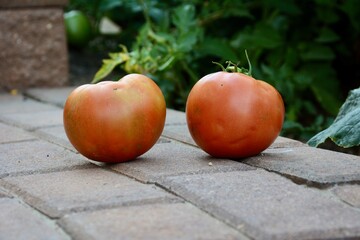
point(26, 95)
point(309, 183)
point(212, 215)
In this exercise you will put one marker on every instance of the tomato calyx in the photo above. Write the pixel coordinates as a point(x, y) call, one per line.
point(234, 68)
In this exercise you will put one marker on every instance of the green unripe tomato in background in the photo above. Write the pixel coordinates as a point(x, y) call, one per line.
point(78, 28)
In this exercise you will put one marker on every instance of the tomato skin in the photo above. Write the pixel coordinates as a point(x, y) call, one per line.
point(115, 121)
point(232, 115)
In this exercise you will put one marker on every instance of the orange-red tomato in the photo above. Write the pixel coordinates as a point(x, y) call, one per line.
point(232, 115)
point(115, 121)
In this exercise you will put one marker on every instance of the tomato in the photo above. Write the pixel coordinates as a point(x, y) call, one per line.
point(115, 121)
point(78, 28)
point(232, 115)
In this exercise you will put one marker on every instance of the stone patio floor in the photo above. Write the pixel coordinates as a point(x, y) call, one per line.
point(174, 191)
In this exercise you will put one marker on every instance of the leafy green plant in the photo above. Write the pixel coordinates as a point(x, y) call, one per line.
point(345, 130)
point(297, 46)
point(161, 51)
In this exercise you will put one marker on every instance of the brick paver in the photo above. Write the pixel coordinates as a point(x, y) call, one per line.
point(267, 206)
point(55, 134)
point(180, 132)
point(19, 104)
point(34, 120)
point(3, 193)
point(174, 117)
point(174, 158)
point(349, 194)
point(57, 193)
point(19, 221)
point(12, 134)
point(174, 191)
point(152, 221)
point(54, 96)
point(36, 156)
point(310, 164)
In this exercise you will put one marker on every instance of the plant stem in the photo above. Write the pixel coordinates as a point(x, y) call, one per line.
point(146, 12)
point(189, 71)
point(248, 60)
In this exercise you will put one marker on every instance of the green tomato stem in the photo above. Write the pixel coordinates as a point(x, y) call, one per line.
point(233, 68)
point(248, 60)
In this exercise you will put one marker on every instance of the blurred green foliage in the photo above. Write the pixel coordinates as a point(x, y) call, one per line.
point(309, 50)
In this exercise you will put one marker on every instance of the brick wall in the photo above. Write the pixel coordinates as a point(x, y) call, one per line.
point(33, 50)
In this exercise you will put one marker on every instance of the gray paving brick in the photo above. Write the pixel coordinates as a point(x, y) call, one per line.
point(19, 221)
point(37, 156)
point(283, 142)
point(13, 134)
point(349, 194)
point(180, 132)
point(310, 164)
point(19, 104)
point(35, 120)
point(55, 134)
point(155, 221)
point(265, 205)
point(55, 96)
point(57, 193)
point(174, 158)
point(4, 193)
point(174, 117)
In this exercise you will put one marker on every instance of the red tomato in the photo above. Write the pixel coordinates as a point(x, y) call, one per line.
point(115, 121)
point(232, 115)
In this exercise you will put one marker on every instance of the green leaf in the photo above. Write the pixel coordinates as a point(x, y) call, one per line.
point(110, 4)
point(327, 35)
point(352, 11)
point(328, 101)
point(184, 17)
point(316, 52)
point(262, 36)
point(109, 65)
point(217, 47)
point(186, 41)
point(322, 81)
point(345, 131)
point(288, 6)
point(238, 12)
point(167, 64)
point(327, 13)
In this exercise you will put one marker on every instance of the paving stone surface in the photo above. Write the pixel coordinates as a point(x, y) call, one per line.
point(349, 194)
point(57, 193)
point(34, 120)
point(18, 103)
point(181, 133)
point(55, 134)
point(37, 156)
point(152, 221)
point(174, 117)
point(19, 221)
point(310, 164)
point(4, 193)
point(282, 142)
point(173, 158)
point(174, 191)
point(12, 134)
point(267, 206)
point(55, 96)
